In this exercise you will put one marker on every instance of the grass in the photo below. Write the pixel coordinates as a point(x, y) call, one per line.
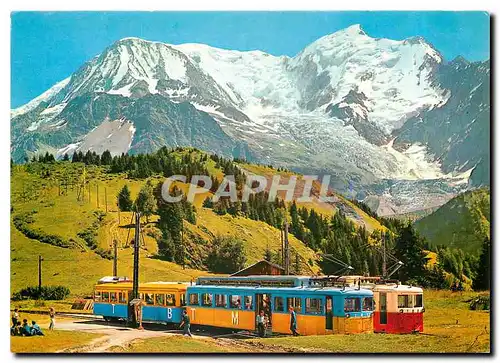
point(175, 344)
point(449, 327)
point(53, 341)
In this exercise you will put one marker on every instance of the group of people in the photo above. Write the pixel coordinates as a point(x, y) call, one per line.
point(24, 329)
point(263, 321)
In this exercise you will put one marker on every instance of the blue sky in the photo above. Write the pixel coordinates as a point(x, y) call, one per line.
point(47, 47)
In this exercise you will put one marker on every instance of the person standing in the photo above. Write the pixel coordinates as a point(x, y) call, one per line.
point(186, 323)
point(261, 327)
point(52, 315)
point(293, 321)
point(15, 317)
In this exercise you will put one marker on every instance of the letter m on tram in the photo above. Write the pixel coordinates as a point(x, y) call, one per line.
point(234, 317)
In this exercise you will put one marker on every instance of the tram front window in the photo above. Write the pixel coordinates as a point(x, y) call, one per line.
point(405, 301)
point(367, 304)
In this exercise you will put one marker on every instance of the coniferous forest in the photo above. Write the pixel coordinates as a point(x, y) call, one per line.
point(335, 235)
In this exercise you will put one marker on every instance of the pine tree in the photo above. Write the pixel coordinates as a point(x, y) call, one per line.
point(482, 280)
point(410, 251)
point(145, 201)
point(124, 200)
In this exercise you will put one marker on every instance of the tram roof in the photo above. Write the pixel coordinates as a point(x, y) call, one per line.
point(301, 290)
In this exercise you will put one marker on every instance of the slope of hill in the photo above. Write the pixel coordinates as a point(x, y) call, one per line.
point(463, 222)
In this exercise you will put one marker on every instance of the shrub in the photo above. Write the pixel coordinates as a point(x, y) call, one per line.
point(44, 293)
point(481, 302)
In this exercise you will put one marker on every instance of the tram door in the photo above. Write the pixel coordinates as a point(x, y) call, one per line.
point(383, 308)
point(263, 303)
point(329, 313)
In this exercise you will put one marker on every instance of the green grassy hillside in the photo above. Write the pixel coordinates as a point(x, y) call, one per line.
point(463, 222)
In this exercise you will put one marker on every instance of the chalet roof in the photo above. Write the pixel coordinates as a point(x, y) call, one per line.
point(256, 263)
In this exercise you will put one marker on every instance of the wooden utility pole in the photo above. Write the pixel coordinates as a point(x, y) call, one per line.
point(183, 247)
point(40, 259)
point(282, 248)
point(106, 200)
point(115, 258)
point(384, 266)
point(137, 241)
point(287, 250)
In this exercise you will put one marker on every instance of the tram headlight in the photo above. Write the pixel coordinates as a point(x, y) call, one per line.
point(347, 315)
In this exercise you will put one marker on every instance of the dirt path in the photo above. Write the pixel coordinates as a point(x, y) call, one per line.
point(121, 336)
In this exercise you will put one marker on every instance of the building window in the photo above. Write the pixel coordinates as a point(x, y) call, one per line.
point(235, 301)
point(149, 299)
point(351, 304)
point(220, 301)
point(404, 301)
point(160, 299)
point(367, 304)
point(170, 299)
point(122, 297)
point(193, 299)
point(105, 296)
point(279, 304)
point(248, 302)
point(313, 305)
point(419, 301)
point(97, 296)
point(206, 299)
point(295, 302)
point(112, 297)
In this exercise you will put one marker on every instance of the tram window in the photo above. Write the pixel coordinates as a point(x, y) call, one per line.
point(141, 296)
point(279, 304)
point(160, 299)
point(351, 304)
point(97, 296)
point(419, 302)
point(206, 299)
point(235, 301)
point(220, 301)
point(170, 299)
point(183, 299)
point(404, 301)
point(313, 305)
point(295, 302)
point(193, 299)
point(149, 299)
point(122, 297)
point(105, 296)
point(367, 304)
point(112, 297)
point(248, 302)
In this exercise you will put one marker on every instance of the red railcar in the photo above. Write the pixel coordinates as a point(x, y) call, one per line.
point(399, 309)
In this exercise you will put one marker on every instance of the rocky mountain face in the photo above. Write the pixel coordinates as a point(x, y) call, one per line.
point(384, 117)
